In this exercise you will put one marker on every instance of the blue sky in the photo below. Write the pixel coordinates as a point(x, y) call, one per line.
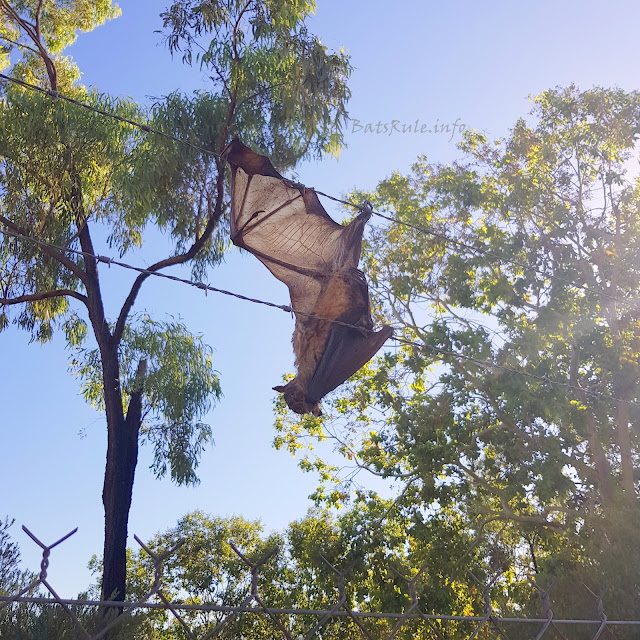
point(428, 61)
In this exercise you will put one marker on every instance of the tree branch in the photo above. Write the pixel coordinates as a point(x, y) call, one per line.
point(255, 94)
point(381, 474)
point(34, 33)
point(50, 251)
point(234, 42)
point(601, 463)
point(541, 520)
point(19, 44)
point(480, 481)
point(44, 295)
point(214, 218)
point(220, 76)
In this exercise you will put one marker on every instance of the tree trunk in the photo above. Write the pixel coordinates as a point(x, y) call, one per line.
point(122, 458)
point(623, 440)
point(122, 433)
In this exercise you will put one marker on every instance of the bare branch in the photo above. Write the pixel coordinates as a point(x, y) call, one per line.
point(44, 295)
point(480, 481)
point(234, 43)
point(220, 76)
point(381, 474)
point(214, 218)
point(271, 87)
point(49, 251)
point(34, 33)
point(19, 44)
point(541, 520)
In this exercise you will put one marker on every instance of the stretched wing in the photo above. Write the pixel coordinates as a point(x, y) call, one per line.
point(345, 352)
point(284, 225)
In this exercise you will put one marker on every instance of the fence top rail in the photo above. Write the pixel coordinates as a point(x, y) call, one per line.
point(253, 604)
point(310, 612)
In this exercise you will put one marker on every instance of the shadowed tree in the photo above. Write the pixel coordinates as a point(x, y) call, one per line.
point(75, 179)
point(12, 577)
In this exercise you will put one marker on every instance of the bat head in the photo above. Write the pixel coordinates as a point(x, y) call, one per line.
point(296, 399)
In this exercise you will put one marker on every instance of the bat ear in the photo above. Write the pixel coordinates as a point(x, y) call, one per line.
point(279, 388)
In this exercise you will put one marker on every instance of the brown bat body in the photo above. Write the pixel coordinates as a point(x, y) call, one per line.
point(284, 225)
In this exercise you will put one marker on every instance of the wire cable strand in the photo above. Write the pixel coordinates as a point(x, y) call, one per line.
point(160, 274)
point(289, 309)
point(483, 252)
point(494, 365)
point(479, 251)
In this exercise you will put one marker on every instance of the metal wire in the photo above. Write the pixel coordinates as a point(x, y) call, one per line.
point(107, 114)
point(340, 608)
point(359, 207)
point(289, 309)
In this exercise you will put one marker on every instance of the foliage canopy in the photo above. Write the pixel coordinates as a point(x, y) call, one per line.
point(75, 179)
point(511, 412)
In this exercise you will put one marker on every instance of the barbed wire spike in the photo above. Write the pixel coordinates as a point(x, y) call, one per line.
point(600, 608)
point(488, 607)
point(546, 604)
point(42, 579)
point(342, 596)
point(156, 587)
point(340, 577)
point(411, 583)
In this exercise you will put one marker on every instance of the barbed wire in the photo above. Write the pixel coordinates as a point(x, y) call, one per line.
point(422, 229)
point(340, 609)
point(494, 365)
point(193, 283)
point(254, 604)
point(288, 309)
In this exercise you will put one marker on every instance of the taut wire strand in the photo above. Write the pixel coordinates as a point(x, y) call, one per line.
point(479, 251)
point(289, 309)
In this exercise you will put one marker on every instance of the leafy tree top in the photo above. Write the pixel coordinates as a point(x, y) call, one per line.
point(538, 282)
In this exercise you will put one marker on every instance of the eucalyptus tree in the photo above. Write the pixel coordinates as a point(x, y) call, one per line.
point(357, 558)
point(513, 403)
point(12, 577)
point(70, 176)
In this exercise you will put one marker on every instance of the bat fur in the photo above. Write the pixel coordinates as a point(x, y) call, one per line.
point(343, 298)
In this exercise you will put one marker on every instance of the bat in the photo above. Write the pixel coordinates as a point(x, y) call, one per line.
point(285, 226)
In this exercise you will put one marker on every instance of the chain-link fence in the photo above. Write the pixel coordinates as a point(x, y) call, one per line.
point(157, 616)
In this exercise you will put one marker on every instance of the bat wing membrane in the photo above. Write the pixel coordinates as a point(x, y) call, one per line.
point(286, 227)
point(347, 350)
